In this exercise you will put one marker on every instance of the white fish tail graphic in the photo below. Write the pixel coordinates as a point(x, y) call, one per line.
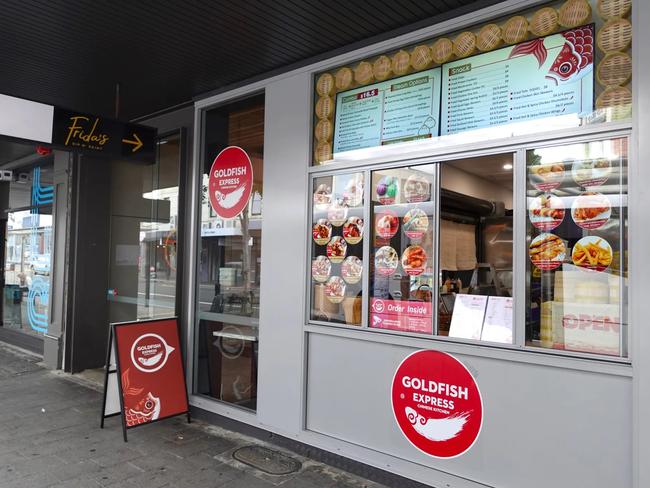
point(232, 198)
point(437, 429)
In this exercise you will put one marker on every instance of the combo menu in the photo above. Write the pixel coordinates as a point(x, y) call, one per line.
point(540, 78)
point(398, 110)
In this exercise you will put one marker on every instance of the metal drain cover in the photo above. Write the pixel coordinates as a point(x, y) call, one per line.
point(267, 460)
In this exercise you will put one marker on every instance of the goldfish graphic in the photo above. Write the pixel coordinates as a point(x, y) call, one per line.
point(146, 410)
point(231, 199)
point(574, 60)
point(437, 430)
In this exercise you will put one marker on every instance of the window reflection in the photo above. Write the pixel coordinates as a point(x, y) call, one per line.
point(577, 247)
point(476, 201)
point(228, 288)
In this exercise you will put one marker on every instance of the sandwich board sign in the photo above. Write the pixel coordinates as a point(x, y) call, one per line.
point(144, 380)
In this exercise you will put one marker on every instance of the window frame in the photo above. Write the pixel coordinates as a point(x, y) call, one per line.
point(449, 154)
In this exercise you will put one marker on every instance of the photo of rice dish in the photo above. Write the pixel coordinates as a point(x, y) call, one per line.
point(335, 289)
point(415, 223)
point(591, 172)
point(351, 270)
point(386, 261)
point(321, 268)
point(336, 249)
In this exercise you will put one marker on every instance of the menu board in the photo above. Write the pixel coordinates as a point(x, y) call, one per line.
point(397, 110)
point(540, 78)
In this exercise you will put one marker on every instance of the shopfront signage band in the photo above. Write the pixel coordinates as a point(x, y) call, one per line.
point(230, 182)
point(75, 131)
point(541, 78)
point(437, 404)
point(144, 373)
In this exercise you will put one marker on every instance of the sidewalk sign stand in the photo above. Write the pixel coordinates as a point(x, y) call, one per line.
point(144, 376)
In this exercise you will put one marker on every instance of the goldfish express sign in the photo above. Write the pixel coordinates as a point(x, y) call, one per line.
point(149, 369)
point(437, 404)
point(230, 182)
point(97, 135)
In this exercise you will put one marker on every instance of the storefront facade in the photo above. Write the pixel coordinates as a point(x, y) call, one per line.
point(322, 287)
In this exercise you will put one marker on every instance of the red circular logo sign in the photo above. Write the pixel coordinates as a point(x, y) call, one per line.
point(150, 352)
point(230, 182)
point(437, 404)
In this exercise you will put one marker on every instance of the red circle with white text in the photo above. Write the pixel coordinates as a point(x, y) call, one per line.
point(230, 182)
point(437, 404)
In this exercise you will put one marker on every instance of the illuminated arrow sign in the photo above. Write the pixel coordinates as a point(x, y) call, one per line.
point(98, 135)
point(75, 131)
point(137, 143)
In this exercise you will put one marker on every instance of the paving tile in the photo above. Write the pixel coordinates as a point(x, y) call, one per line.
point(50, 438)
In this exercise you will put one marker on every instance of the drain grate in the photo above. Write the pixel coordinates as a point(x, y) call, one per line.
point(267, 460)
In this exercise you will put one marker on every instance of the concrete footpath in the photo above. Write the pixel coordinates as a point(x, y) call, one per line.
point(50, 437)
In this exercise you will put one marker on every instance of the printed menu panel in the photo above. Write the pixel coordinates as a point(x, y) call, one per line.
point(497, 325)
point(545, 77)
point(397, 110)
point(467, 317)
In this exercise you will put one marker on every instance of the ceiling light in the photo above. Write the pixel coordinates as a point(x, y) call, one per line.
point(507, 166)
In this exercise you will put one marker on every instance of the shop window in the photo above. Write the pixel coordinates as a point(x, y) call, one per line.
point(28, 252)
point(437, 245)
point(144, 220)
point(401, 249)
point(228, 287)
point(475, 257)
point(337, 249)
point(577, 247)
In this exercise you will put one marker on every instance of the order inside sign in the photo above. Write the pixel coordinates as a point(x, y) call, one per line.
point(437, 404)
